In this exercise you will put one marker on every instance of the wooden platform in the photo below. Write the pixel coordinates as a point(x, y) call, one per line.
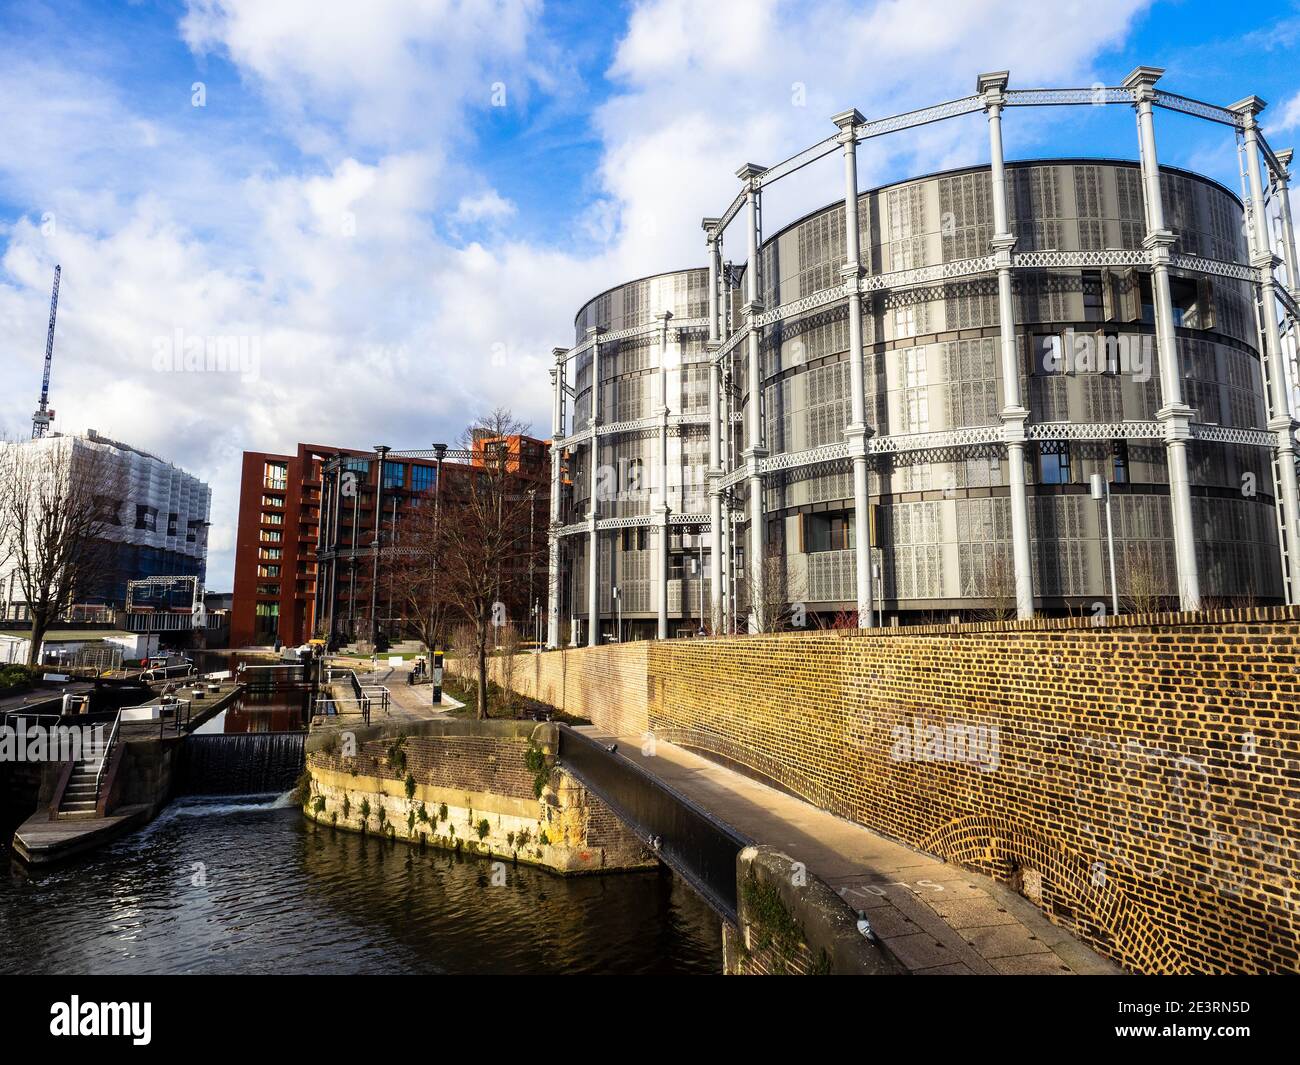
point(40, 841)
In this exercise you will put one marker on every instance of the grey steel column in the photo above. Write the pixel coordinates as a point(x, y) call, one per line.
point(715, 431)
point(593, 549)
point(992, 86)
point(856, 431)
point(553, 538)
point(1281, 182)
point(1265, 262)
point(661, 508)
point(1175, 414)
point(755, 452)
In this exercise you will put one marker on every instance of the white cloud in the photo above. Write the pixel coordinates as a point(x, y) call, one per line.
point(486, 206)
point(370, 321)
point(378, 72)
point(1288, 116)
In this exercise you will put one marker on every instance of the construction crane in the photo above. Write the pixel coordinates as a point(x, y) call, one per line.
point(43, 416)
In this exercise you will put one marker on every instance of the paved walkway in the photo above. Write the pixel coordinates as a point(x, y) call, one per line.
point(407, 702)
point(935, 918)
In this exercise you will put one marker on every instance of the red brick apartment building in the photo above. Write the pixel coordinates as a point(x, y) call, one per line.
point(291, 586)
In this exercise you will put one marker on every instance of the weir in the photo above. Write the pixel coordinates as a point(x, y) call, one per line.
point(247, 764)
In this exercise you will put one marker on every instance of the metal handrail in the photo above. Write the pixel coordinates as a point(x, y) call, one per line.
point(373, 690)
point(108, 750)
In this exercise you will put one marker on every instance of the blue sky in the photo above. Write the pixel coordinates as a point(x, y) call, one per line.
point(403, 253)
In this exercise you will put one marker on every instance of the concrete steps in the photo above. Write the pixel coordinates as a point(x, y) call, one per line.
point(81, 796)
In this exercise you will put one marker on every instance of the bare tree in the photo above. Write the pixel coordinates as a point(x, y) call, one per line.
point(998, 588)
point(60, 497)
point(487, 537)
point(413, 566)
point(1144, 581)
point(779, 606)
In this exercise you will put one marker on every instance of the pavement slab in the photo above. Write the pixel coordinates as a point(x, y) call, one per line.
point(935, 918)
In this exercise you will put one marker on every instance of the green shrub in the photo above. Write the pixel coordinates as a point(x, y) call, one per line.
point(302, 789)
point(318, 805)
point(410, 786)
point(483, 828)
point(535, 760)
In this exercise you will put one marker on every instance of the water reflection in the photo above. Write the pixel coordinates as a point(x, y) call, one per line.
point(246, 886)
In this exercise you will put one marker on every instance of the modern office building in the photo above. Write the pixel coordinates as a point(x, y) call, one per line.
point(896, 409)
point(156, 520)
point(294, 581)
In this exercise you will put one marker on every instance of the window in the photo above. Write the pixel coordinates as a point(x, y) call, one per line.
point(1054, 462)
point(272, 519)
point(1094, 303)
point(269, 552)
point(1119, 462)
point(268, 589)
point(1189, 306)
point(423, 478)
point(394, 474)
point(146, 518)
point(272, 536)
point(192, 530)
point(273, 501)
point(275, 475)
point(829, 532)
point(915, 399)
point(110, 510)
point(1147, 299)
point(267, 620)
point(171, 524)
point(1049, 354)
point(636, 539)
point(268, 571)
point(357, 465)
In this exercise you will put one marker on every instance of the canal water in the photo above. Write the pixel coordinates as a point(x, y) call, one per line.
point(246, 885)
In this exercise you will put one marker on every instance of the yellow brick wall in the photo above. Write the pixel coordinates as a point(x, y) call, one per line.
point(606, 684)
point(1136, 778)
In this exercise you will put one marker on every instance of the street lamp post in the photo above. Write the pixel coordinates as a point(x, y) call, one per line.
point(439, 450)
point(532, 516)
point(618, 615)
point(1101, 491)
point(381, 450)
point(699, 578)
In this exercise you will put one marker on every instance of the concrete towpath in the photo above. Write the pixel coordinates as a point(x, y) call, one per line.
point(935, 918)
point(407, 702)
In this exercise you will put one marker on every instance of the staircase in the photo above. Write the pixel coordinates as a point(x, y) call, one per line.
point(80, 798)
